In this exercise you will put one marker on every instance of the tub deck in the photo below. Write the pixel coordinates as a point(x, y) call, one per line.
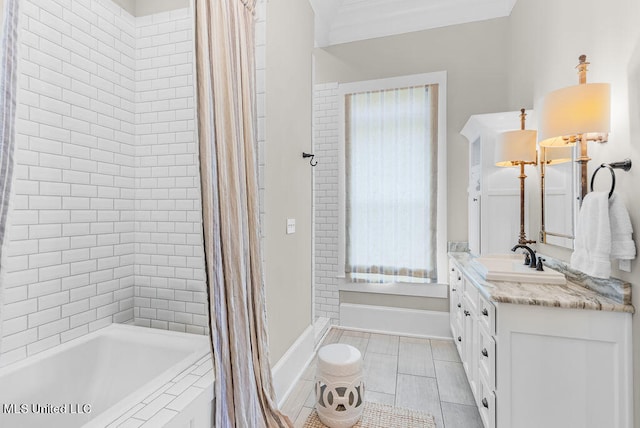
point(117, 374)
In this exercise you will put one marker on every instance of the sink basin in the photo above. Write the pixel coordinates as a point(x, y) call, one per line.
point(508, 268)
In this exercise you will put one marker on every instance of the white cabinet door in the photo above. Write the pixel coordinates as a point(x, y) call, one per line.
point(563, 368)
point(475, 219)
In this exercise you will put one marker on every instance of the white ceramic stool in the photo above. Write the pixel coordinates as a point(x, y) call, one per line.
point(339, 385)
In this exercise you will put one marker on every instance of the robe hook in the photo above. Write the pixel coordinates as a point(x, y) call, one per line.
point(310, 155)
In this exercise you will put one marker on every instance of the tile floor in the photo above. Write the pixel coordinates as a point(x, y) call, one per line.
point(406, 372)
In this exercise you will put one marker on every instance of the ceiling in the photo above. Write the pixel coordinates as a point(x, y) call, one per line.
point(342, 21)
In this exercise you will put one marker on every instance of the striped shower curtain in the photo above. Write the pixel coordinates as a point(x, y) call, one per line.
point(8, 80)
point(226, 130)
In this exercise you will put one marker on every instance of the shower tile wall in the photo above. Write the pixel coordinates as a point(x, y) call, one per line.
point(169, 270)
point(79, 251)
point(71, 253)
point(325, 146)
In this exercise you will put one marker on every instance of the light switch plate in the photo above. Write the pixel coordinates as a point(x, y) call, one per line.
point(291, 226)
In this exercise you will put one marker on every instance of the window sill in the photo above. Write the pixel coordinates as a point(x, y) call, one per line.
point(439, 291)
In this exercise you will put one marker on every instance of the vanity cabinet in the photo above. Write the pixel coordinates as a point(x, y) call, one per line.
point(473, 320)
point(532, 366)
point(494, 192)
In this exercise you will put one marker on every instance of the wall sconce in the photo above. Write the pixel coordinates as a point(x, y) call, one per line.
point(575, 114)
point(518, 148)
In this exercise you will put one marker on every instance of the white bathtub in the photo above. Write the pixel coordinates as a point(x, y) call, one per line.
point(96, 378)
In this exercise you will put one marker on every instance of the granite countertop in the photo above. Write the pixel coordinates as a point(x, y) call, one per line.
point(572, 295)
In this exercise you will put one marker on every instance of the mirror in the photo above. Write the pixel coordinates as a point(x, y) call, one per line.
point(559, 195)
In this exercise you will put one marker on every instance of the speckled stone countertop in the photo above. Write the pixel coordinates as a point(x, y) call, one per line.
point(571, 295)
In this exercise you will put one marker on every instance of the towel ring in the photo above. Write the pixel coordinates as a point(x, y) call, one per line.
point(624, 165)
point(613, 177)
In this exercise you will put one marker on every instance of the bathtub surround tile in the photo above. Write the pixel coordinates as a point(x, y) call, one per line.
point(205, 380)
point(325, 143)
point(131, 423)
point(154, 406)
point(157, 394)
point(184, 399)
point(183, 384)
point(107, 171)
point(160, 418)
point(162, 405)
point(126, 416)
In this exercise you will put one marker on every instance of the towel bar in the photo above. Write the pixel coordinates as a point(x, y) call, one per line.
point(624, 165)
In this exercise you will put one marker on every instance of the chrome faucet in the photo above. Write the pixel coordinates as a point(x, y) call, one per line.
point(531, 255)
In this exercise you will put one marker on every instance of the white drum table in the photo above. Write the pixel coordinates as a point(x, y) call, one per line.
point(339, 385)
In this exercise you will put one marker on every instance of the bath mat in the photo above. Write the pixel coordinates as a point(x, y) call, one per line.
point(377, 415)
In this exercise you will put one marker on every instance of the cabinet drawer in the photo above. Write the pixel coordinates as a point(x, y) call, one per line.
point(457, 339)
point(487, 362)
point(455, 278)
point(487, 314)
point(471, 292)
point(486, 404)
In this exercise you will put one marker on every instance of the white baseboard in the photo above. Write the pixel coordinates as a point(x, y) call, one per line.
point(400, 321)
point(290, 367)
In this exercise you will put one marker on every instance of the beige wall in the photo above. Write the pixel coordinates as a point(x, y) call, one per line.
point(288, 191)
point(474, 56)
point(547, 36)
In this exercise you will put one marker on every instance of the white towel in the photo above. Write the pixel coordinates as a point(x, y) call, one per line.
point(603, 232)
point(622, 245)
point(592, 244)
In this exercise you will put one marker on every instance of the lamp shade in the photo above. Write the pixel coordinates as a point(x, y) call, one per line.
point(554, 155)
point(515, 146)
point(580, 109)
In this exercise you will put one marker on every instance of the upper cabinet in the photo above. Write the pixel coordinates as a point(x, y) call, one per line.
point(494, 192)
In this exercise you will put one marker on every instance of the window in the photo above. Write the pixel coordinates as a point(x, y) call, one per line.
point(391, 181)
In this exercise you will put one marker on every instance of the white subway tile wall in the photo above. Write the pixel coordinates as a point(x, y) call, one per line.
point(106, 223)
point(169, 262)
point(325, 146)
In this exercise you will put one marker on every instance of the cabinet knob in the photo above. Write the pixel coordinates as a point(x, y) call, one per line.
point(459, 278)
point(453, 289)
point(485, 403)
point(467, 313)
point(485, 312)
point(475, 199)
point(453, 270)
point(459, 305)
point(484, 352)
point(459, 339)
